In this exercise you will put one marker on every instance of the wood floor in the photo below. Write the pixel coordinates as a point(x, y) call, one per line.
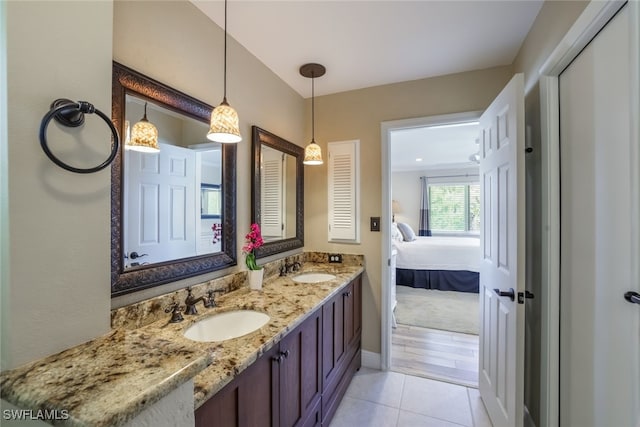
point(431, 353)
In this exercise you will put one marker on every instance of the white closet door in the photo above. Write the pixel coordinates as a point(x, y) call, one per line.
point(599, 330)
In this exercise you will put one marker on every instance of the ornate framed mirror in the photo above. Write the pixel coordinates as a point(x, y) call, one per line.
point(277, 199)
point(173, 212)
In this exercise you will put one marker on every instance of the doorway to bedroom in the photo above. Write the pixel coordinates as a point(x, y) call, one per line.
point(435, 193)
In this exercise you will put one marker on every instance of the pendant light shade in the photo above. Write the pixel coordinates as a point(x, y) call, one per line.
point(144, 136)
point(224, 124)
point(224, 119)
point(312, 152)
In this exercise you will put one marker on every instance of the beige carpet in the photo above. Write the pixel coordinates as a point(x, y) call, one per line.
point(445, 310)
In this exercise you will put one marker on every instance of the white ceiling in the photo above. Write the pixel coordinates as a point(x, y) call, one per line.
point(438, 147)
point(365, 43)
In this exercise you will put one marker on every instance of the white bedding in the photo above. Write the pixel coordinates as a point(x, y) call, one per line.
point(439, 253)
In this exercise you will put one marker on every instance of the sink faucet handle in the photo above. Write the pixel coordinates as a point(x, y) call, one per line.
point(210, 301)
point(175, 310)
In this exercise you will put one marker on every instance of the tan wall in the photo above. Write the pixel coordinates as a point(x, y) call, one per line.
point(55, 288)
point(357, 115)
point(552, 23)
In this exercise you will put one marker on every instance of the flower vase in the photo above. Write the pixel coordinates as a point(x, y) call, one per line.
point(255, 278)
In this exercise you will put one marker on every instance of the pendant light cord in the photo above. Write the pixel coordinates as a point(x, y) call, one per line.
point(313, 110)
point(224, 98)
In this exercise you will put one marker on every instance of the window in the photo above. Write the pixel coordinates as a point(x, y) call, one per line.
point(454, 208)
point(210, 202)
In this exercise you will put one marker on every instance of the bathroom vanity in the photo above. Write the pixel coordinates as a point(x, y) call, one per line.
point(294, 370)
point(301, 379)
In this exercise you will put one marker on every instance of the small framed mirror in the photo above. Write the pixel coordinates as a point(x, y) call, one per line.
point(277, 198)
point(173, 211)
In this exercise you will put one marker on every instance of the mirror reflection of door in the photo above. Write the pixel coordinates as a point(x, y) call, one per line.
point(273, 194)
point(163, 213)
point(161, 206)
point(277, 194)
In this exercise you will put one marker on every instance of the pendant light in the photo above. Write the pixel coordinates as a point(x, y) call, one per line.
point(312, 152)
point(224, 119)
point(144, 136)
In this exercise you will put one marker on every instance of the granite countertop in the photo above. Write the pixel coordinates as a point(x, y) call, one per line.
point(111, 379)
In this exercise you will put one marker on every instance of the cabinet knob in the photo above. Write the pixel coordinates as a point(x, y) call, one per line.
point(281, 356)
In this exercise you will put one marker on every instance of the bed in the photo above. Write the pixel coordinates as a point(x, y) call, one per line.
point(443, 263)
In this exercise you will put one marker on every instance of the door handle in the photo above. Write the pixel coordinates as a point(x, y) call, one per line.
point(135, 255)
point(632, 297)
point(510, 293)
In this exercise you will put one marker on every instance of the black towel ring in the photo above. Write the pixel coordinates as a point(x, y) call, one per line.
point(71, 114)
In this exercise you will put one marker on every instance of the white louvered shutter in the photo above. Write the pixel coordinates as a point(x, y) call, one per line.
point(271, 194)
point(343, 191)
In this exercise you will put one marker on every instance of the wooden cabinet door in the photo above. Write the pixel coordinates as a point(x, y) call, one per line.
point(352, 299)
point(245, 402)
point(255, 393)
point(357, 308)
point(347, 299)
point(332, 338)
point(299, 377)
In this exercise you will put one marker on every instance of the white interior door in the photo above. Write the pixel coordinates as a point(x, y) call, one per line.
point(599, 220)
point(502, 283)
point(161, 191)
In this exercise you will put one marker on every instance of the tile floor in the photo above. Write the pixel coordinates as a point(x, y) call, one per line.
point(391, 399)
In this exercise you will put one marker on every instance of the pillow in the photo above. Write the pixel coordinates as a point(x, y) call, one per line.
point(395, 233)
point(407, 233)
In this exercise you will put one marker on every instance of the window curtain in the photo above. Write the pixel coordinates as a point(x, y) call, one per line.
point(423, 226)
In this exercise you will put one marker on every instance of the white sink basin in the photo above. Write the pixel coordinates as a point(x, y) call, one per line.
point(313, 277)
point(225, 326)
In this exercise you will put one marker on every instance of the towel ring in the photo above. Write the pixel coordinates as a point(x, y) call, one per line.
point(71, 114)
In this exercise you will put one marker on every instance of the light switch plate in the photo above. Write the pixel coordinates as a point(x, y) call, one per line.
point(375, 223)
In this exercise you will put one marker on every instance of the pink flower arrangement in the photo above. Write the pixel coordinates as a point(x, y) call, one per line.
point(254, 241)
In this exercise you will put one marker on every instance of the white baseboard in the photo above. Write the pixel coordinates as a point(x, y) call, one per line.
point(528, 421)
point(370, 359)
